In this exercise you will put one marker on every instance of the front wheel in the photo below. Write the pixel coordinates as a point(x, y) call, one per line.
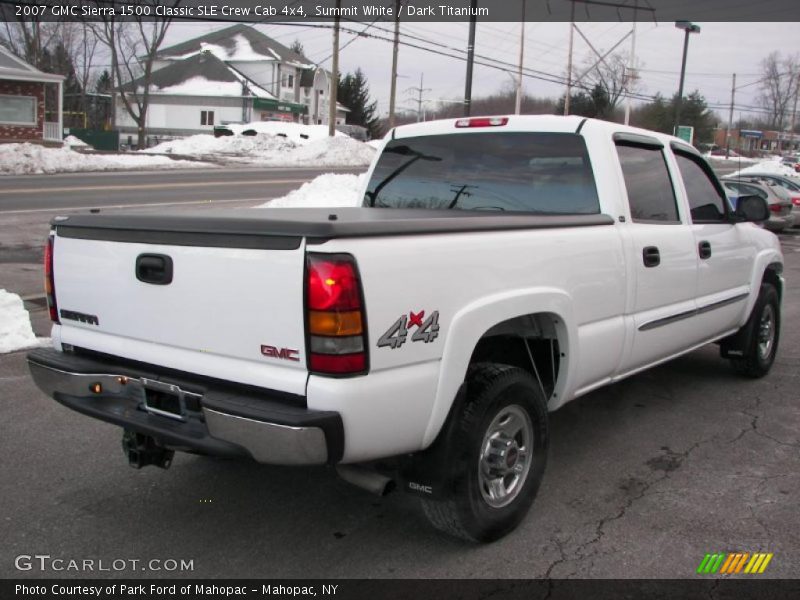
point(500, 455)
point(763, 329)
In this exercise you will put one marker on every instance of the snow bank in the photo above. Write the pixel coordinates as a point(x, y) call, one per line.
point(323, 191)
point(16, 332)
point(74, 142)
point(773, 166)
point(273, 150)
point(23, 159)
point(293, 131)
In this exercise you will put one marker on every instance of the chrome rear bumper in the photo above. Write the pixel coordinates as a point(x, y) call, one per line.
point(201, 419)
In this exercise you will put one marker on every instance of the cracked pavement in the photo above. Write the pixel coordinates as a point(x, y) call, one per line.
point(644, 478)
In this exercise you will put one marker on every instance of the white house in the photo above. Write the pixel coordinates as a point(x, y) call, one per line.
point(233, 75)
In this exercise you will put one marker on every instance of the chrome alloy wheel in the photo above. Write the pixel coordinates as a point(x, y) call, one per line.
point(766, 332)
point(506, 456)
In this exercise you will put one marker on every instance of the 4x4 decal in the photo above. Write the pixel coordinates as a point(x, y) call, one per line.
point(427, 329)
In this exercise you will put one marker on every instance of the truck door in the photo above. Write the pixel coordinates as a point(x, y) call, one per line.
point(725, 252)
point(663, 259)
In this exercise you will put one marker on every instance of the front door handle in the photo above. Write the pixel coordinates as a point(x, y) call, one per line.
point(651, 257)
point(704, 249)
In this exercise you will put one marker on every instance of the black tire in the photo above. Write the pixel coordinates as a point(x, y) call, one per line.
point(763, 330)
point(494, 392)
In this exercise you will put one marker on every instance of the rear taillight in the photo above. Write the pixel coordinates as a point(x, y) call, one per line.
point(49, 280)
point(776, 208)
point(335, 320)
point(482, 122)
point(796, 200)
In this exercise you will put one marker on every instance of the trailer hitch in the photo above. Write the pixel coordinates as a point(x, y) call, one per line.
point(143, 450)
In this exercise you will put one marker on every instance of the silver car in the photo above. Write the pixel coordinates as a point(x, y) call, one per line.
point(790, 184)
point(780, 203)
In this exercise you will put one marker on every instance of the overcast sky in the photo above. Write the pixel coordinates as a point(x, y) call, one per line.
point(717, 52)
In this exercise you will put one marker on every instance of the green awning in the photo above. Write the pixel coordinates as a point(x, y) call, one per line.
point(279, 106)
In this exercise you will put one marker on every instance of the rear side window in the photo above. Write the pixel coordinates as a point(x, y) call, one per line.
point(650, 193)
point(545, 173)
point(706, 202)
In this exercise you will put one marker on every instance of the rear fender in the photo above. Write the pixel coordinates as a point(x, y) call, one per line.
point(475, 319)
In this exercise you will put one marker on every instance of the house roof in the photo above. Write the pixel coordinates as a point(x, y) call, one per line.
point(239, 42)
point(14, 68)
point(202, 74)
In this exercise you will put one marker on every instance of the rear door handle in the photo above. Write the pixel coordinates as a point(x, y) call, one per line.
point(704, 249)
point(651, 257)
point(154, 268)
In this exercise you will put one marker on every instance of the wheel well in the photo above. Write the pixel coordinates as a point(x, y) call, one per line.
point(529, 342)
point(772, 275)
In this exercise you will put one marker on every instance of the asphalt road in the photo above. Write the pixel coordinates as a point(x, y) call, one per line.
point(645, 477)
point(138, 189)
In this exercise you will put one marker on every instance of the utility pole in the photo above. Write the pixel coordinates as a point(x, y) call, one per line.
point(397, 6)
point(334, 74)
point(569, 59)
point(630, 73)
point(730, 120)
point(794, 111)
point(419, 90)
point(518, 104)
point(470, 58)
point(688, 28)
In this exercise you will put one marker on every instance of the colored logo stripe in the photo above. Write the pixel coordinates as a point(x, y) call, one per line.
point(734, 562)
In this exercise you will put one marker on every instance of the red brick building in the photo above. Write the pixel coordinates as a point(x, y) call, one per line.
point(23, 109)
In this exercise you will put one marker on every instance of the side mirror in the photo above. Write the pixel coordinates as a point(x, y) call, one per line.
point(751, 209)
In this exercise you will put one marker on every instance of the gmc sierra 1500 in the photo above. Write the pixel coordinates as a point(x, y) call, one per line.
point(499, 267)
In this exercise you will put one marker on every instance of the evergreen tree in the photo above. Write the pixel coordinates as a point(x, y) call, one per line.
point(297, 47)
point(659, 115)
point(353, 92)
point(595, 104)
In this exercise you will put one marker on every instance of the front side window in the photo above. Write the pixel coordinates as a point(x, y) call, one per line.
point(18, 110)
point(650, 193)
point(707, 203)
point(545, 173)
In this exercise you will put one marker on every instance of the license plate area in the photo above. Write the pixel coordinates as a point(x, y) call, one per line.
point(164, 399)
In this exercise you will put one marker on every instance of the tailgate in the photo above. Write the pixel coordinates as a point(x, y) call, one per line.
point(233, 313)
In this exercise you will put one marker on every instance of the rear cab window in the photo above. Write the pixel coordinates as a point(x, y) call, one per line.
point(651, 196)
point(540, 173)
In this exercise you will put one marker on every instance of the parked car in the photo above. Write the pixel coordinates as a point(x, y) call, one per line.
point(780, 204)
point(790, 184)
point(791, 161)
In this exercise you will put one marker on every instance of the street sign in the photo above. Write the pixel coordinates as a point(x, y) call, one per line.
point(685, 132)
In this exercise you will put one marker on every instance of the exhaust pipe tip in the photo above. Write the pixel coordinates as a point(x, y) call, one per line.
point(366, 479)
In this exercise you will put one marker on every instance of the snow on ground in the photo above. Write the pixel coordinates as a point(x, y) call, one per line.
point(23, 159)
point(74, 142)
point(293, 131)
point(16, 332)
point(770, 165)
point(375, 143)
point(325, 190)
point(271, 150)
point(731, 159)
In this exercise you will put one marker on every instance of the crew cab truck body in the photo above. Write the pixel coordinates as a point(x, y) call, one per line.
point(499, 268)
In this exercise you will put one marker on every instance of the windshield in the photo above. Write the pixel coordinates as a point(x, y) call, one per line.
point(546, 173)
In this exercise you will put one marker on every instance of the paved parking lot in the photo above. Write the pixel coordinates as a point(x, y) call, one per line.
point(645, 478)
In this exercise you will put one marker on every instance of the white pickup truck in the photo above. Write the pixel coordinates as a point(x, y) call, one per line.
point(498, 268)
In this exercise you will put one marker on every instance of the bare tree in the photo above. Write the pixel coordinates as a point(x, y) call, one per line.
point(80, 44)
point(133, 47)
point(611, 74)
point(779, 78)
point(28, 39)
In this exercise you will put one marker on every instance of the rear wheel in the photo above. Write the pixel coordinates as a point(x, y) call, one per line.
point(501, 451)
point(763, 328)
